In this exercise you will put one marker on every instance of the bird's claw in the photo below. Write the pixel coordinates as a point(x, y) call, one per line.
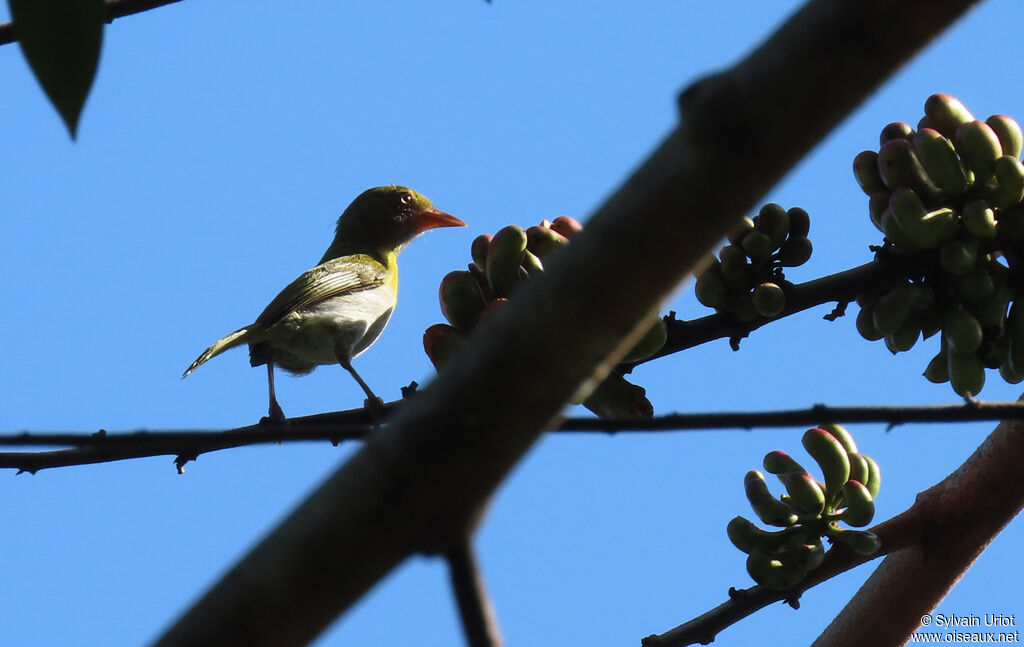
point(374, 407)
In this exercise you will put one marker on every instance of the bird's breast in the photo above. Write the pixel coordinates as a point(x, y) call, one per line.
point(313, 336)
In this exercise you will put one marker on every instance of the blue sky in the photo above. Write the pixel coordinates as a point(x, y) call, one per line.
point(218, 146)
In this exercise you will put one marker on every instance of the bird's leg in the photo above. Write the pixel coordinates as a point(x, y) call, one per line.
point(276, 414)
point(374, 406)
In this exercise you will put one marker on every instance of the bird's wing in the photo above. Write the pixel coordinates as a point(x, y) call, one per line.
point(330, 279)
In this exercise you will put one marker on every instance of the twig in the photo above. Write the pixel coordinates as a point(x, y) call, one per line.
point(115, 9)
point(103, 446)
point(841, 287)
point(478, 618)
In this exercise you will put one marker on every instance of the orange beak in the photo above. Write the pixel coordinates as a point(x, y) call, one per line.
point(434, 218)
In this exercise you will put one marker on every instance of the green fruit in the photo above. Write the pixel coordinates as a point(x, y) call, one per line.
point(991, 313)
point(769, 299)
point(831, 458)
point(1009, 189)
point(480, 275)
point(975, 286)
point(937, 370)
point(773, 221)
point(874, 482)
point(479, 249)
point(963, 332)
point(958, 256)
point(1015, 336)
point(735, 267)
point(865, 170)
point(800, 221)
point(866, 324)
point(896, 130)
point(567, 226)
point(616, 397)
point(746, 536)
point(769, 509)
point(844, 437)
point(541, 241)
point(795, 251)
point(740, 230)
point(779, 462)
point(1011, 222)
point(462, 301)
point(858, 467)
point(440, 342)
point(903, 338)
point(899, 168)
point(979, 219)
point(908, 209)
point(650, 343)
point(758, 246)
point(877, 205)
point(945, 113)
point(805, 495)
point(531, 263)
point(710, 288)
point(860, 505)
point(979, 147)
point(862, 542)
point(893, 309)
point(773, 574)
point(743, 307)
point(806, 555)
point(1008, 131)
point(940, 162)
point(966, 374)
point(1009, 375)
point(895, 234)
point(504, 256)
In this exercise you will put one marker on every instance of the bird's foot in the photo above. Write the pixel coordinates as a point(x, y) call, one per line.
point(374, 407)
point(275, 416)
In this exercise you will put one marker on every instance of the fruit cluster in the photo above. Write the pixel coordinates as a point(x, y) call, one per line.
point(809, 510)
point(950, 192)
point(746, 279)
point(500, 265)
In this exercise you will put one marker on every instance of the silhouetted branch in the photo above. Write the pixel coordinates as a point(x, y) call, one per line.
point(103, 446)
point(475, 609)
point(841, 287)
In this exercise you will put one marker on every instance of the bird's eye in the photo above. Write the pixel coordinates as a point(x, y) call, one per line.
point(406, 198)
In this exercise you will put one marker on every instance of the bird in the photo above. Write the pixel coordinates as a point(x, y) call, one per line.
point(333, 312)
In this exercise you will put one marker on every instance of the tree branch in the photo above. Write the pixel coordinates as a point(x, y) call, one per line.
point(886, 270)
point(418, 482)
point(103, 446)
point(115, 9)
point(478, 618)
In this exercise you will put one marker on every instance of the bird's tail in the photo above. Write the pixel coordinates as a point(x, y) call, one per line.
point(236, 338)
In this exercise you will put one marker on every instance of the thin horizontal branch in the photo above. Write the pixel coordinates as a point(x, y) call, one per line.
point(115, 9)
point(103, 447)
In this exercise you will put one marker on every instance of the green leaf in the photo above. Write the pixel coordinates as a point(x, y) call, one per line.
point(61, 41)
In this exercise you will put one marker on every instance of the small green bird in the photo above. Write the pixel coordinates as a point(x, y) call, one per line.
point(335, 311)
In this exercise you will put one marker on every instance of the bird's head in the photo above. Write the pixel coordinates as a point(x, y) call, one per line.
point(382, 220)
